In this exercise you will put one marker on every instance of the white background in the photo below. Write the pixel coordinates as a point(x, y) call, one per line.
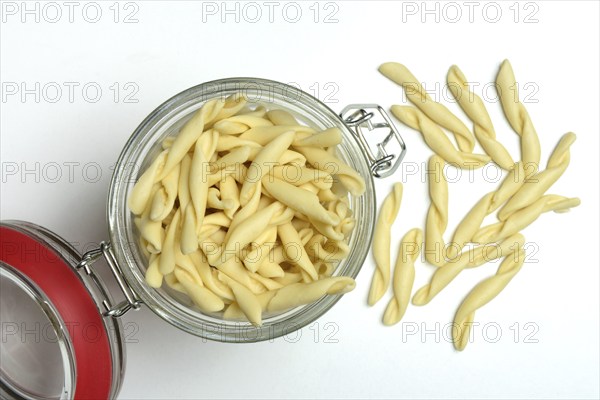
point(175, 45)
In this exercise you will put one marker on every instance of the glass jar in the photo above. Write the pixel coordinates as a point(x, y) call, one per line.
point(371, 145)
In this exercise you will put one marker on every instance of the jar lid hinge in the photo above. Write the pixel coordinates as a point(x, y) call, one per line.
point(131, 300)
point(384, 155)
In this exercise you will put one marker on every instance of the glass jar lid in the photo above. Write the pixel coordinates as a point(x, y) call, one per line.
point(56, 343)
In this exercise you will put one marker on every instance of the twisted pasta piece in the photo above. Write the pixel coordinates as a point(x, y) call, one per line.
point(235, 157)
point(437, 216)
point(234, 269)
point(327, 230)
point(292, 157)
point(340, 207)
point(262, 164)
point(483, 293)
point(284, 216)
point(322, 160)
point(483, 128)
point(294, 294)
point(240, 123)
point(198, 189)
point(297, 294)
point(263, 135)
point(300, 200)
point(479, 256)
point(381, 243)
point(518, 117)
point(184, 262)
point(183, 188)
point(232, 105)
point(142, 191)
point(209, 279)
point(211, 250)
point(230, 194)
point(245, 212)
point(404, 276)
point(437, 112)
point(488, 204)
point(297, 176)
point(536, 185)
point(327, 195)
point(522, 218)
point(255, 259)
point(212, 224)
point(248, 230)
point(167, 256)
point(153, 275)
point(218, 237)
point(270, 269)
point(281, 117)
point(202, 297)
point(436, 139)
point(214, 200)
point(327, 138)
point(150, 231)
point(189, 134)
point(294, 250)
point(228, 142)
point(246, 300)
point(269, 284)
point(327, 250)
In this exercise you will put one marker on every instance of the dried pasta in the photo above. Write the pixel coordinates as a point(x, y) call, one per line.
point(489, 203)
point(437, 216)
point(483, 128)
point(189, 134)
point(536, 185)
point(263, 162)
point(469, 259)
point(433, 110)
point(294, 294)
point(142, 191)
point(483, 293)
point(520, 199)
point(518, 117)
point(404, 276)
point(524, 217)
point(381, 243)
point(324, 161)
point(436, 138)
point(238, 211)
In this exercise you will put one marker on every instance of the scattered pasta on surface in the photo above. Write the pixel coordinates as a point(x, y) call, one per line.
point(475, 109)
point(381, 243)
point(520, 198)
point(437, 216)
point(518, 117)
point(404, 276)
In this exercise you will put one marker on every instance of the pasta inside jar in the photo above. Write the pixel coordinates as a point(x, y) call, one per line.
point(244, 214)
point(246, 211)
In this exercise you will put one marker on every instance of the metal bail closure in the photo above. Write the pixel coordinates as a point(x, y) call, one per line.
point(374, 131)
point(131, 300)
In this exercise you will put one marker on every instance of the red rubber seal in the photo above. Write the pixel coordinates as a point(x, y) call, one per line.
point(67, 293)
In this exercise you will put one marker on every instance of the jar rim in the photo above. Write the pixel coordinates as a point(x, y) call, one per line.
point(162, 122)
